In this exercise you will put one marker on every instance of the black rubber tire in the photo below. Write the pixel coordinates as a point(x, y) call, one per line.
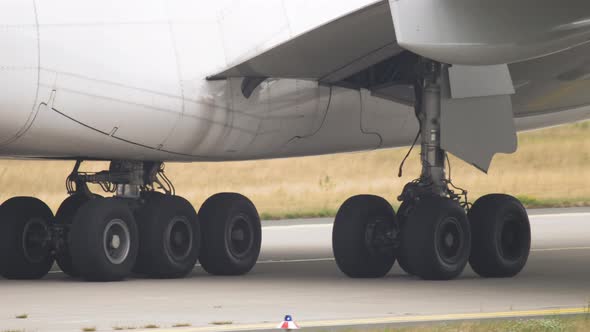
point(147, 197)
point(402, 215)
point(217, 215)
point(489, 216)
point(422, 239)
point(17, 214)
point(156, 258)
point(65, 216)
point(87, 243)
point(353, 256)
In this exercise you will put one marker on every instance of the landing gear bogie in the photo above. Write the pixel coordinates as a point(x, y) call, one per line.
point(433, 237)
point(152, 233)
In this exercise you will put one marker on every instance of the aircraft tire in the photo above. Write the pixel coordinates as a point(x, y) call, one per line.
point(501, 236)
point(231, 234)
point(104, 240)
point(65, 216)
point(25, 251)
point(169, 235)
point(355, 256)
point(436, 239)
point(402, 260)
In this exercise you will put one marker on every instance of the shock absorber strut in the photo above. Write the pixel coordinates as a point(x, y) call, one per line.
point(432, 179)
point(432, 155)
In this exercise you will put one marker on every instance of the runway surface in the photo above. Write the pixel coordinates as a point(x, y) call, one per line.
point(297, 275)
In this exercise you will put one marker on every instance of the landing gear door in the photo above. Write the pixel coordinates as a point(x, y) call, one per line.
point(476, 113)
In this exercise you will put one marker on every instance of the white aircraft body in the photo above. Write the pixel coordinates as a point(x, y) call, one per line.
point(144, 82)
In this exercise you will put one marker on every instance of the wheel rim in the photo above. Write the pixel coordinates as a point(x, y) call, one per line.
point(241, 236)
point(179, 238)
point(512, 238)
point(116, 241)
point(34, 241)
point(450, 240)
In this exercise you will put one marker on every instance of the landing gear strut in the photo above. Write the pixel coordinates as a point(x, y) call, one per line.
point(435, 232)
point(435, 235)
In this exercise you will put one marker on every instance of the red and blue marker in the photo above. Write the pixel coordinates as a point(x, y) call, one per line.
point(288, 324)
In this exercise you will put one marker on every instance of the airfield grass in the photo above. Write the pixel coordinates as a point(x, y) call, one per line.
point(559, 324)
point(550, 169)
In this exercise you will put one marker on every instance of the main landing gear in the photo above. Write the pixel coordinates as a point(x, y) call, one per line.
point(435, 233)
point(138, 230)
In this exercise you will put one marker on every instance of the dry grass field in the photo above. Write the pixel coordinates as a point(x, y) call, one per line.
point(551, 324)
point(551, 168)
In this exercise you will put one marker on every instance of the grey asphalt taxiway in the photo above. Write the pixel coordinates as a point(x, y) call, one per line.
point(297, 275)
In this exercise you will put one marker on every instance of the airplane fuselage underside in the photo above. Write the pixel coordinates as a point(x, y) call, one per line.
point(81, 83)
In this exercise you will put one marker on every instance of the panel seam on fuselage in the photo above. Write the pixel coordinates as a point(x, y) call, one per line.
point(180, 83)
point(122, 139)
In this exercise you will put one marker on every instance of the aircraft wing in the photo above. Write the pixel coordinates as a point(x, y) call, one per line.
point(328, 53)
point(461, 32)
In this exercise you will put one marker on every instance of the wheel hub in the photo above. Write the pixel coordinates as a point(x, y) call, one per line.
point(241, 236)
point(450, 240)
point(179, 238)
point(35, 240)
point(117, 241)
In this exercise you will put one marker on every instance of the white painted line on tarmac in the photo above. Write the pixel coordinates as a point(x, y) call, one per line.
point(574, 214)
point(532, 217)
point(297, 226)
point(560, 249)
point(331, 259)
point(309, 260)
